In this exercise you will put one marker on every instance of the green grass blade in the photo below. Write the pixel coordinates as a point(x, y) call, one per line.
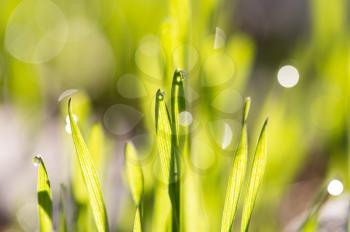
point(135, 181)
point(166, 142)
point(164, 135)
point(96, 145)
point(44, 196)
point(134, 173)
point(237, 175)
point(137, 221)
point(89, 174)
point(178, 103)
point(256, 177)
point(62, 221)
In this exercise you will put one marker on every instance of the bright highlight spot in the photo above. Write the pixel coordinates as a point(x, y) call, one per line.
point(220, 38)
point(68, 127)
point(185, 118)
point(227, 136)
point(335, 187)
point(36, 160)
point(288, 76)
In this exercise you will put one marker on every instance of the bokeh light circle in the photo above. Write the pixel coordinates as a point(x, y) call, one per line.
point(335, 187)
point(288, 76)
point(36, 31)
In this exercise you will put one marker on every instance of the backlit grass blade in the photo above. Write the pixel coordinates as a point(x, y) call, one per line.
point(166, 143)
point(62, 221)
point(44, 196)
point(178, 103)
point(237, 175)
point(135, 181)
point(164, 135)
point(89, 174)
point(256, 177)
point(134, 173)
point(137, 221)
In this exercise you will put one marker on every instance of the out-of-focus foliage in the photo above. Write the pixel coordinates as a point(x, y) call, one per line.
point(116, 54)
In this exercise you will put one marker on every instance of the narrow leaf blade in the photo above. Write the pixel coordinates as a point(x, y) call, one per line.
point(44, 196)
point(89, 175)
point(137, 221)
point(237, 175)
point(256, 177)
point(166, 142)
point(134, 173)
point(164, 135)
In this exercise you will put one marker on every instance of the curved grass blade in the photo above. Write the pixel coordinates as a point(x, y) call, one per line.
point(89, 174)
point(237, 175)
point(135, 181)
point(256, 177)
point(44, 196)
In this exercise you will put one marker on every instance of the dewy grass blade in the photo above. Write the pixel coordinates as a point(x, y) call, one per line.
point(256, 177)
point(164, 135)
point(44, 196)
point(166, 142)
point(179, 137)
point(237, 175)
point(89, 175)
point(178, 103)
point(135, 181)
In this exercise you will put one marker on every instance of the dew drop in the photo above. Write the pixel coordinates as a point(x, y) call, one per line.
point(68, 128)
point(75, 118)
point(160, 95)
point(36, 160)
point(179, 76)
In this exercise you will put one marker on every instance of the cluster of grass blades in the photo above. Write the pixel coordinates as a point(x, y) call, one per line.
point(172, 140)
point(238, 173)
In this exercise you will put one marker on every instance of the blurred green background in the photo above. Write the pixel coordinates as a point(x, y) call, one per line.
point(290, 56)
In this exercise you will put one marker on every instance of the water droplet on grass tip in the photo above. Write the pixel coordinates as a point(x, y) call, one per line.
point(36, 160)
point(179, 76)
point(160, 94)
